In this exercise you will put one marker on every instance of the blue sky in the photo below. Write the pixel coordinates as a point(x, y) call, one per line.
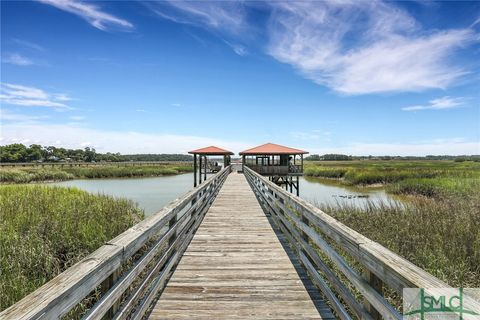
point(359, 77)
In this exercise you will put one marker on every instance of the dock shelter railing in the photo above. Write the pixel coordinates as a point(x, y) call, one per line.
point(352, 271)
point(129, 271)
point(277, 170)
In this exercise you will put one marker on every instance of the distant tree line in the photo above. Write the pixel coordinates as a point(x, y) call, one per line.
point(343, 157)
point(157, 157)
point(328, 157)
point(18, 152)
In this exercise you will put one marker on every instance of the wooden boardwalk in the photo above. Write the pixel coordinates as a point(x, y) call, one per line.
point(240, 262)
point(236, 268)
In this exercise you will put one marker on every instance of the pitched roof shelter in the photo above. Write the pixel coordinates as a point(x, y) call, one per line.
point(277, 162)
point(211, 151)
point(203, 153)
point(272, 149)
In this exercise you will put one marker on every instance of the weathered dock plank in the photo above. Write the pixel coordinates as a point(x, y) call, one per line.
point(236, 268)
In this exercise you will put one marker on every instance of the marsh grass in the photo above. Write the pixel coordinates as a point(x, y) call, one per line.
point(26, 175)
point(325, 172)
point(425, 178)
point(437, 227)
point(33, 175)
point(436, 188)
point(45, 230)
point(442, 237)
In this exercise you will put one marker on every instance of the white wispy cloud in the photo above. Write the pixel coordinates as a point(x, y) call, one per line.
point(438, 104)
point(363, 47)
point(91, 13)
point(29, 44)
point(352, 47)
point(176, 105)
point(301, 135)
point(315, 134)
point(476, 22)
point(6, 115)
point(15, 94)
point(222, 16)
point(237, 48)
point(77, 118)
point(75, 136)
point(17, 59)
point(62, 97)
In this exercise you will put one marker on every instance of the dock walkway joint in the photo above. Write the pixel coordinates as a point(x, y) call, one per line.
point(235, 267)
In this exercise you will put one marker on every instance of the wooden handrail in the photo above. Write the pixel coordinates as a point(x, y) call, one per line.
point(304, 224)
point(146, 252)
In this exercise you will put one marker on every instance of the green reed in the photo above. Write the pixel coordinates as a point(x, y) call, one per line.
point(44, 230)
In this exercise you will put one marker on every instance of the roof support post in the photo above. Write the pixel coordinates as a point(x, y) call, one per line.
point(200, 169)
point(205, 173)
point(194, 170)
point(301, 157)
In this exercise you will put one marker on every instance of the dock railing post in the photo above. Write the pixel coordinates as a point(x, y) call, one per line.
point(377, 284)
point(105, 286)
point(172, 223)
point(304, 221)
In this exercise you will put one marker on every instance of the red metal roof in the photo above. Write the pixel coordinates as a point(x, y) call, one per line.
point(271, 149)
point(212, 150)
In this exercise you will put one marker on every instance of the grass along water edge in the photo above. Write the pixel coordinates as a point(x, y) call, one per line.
point(425, 178)
point(44, 230)
point(437, 227)
point(27, 175)
point(440, 236)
